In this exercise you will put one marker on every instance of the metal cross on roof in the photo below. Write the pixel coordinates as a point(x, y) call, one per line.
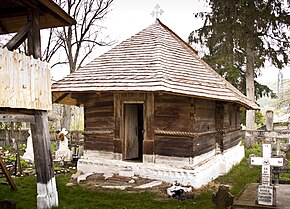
point(157, 11)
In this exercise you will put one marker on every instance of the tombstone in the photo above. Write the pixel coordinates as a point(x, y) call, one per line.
point(266, 192)
point(29, 155)
point(269, 120)
point(63, 153)
point(223, 198)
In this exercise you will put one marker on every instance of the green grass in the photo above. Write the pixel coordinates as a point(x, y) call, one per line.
point(79, 197)
point(242, 174)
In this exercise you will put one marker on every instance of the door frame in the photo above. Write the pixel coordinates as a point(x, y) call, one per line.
point(123, 126)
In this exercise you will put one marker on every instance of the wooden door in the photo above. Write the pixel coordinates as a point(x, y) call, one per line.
point(131, 131)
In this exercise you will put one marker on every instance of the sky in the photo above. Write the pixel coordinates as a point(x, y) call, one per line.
point(128, 17)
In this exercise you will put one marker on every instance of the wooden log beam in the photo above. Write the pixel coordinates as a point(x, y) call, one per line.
point(34, 43)
point(19, 38)
point(47, 196)
point(17, 118)
point(61, 97)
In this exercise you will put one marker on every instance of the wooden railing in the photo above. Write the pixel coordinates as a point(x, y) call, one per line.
point(24, 81)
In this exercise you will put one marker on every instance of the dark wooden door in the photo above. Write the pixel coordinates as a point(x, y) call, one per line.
point(131, 131)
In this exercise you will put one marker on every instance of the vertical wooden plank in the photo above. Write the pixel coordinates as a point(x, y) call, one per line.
point(117, 123)
point(48, 93)
point(32, 82)
point(17, 80)
point(148, 143)
point(26, 80)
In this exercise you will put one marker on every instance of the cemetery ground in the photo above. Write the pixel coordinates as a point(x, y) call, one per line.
point(87, 195)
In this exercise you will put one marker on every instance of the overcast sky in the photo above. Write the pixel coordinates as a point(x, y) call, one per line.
point(128, 17)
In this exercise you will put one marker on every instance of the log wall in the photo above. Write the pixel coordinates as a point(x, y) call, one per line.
point(99, 122)
point(184, 127)
point(231, 127)
point(172, 113)
point(174, 125)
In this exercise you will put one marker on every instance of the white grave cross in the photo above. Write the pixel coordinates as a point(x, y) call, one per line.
point(265, 191)
point(266, 162)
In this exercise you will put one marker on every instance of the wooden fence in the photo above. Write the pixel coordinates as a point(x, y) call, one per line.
point(24, 81)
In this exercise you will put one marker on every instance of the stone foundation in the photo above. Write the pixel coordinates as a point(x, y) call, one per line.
point(196, 172)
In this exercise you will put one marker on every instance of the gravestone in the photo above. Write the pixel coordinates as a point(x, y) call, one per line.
point(29, 155)
point(269, 120)
point(266, 192)
point(223, 198)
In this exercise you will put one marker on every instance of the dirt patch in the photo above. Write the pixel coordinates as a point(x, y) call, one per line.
point(127, 184)
point(99, 180)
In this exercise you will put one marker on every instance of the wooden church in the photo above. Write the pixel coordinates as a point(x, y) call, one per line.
point(152, 102)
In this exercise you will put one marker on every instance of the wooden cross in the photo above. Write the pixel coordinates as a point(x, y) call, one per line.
point(157, 11)
point(266, 162)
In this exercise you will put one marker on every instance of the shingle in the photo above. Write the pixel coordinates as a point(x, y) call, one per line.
point(155, 59)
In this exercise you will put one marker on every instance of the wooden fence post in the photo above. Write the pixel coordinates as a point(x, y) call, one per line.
point(47, 196)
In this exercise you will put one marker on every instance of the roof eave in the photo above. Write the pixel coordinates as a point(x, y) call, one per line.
point(58, 13)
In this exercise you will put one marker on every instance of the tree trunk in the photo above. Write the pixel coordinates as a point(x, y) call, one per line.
point(66, 117)
point(250, 89)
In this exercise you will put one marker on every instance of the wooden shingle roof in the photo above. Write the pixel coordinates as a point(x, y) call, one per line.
point(153, 60)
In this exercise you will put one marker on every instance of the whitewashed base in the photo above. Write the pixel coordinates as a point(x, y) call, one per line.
point(195, 172)
point(47, 196)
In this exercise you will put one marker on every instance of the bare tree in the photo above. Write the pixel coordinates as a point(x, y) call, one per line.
point(77, 41)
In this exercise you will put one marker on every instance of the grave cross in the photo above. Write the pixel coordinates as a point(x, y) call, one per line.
point(157, 11)
point(266, 193)
point(266, 162)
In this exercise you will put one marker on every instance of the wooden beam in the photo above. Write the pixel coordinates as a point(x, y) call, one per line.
point(80, 98)
point(58, 12)
point(17, 118)
point(61, 97)
point(34, 43)
point(7, 175)
point(47, 196)
point(19, 38)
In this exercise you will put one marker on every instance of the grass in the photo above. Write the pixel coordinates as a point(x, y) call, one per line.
point(77, 197)
point(84, 198)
